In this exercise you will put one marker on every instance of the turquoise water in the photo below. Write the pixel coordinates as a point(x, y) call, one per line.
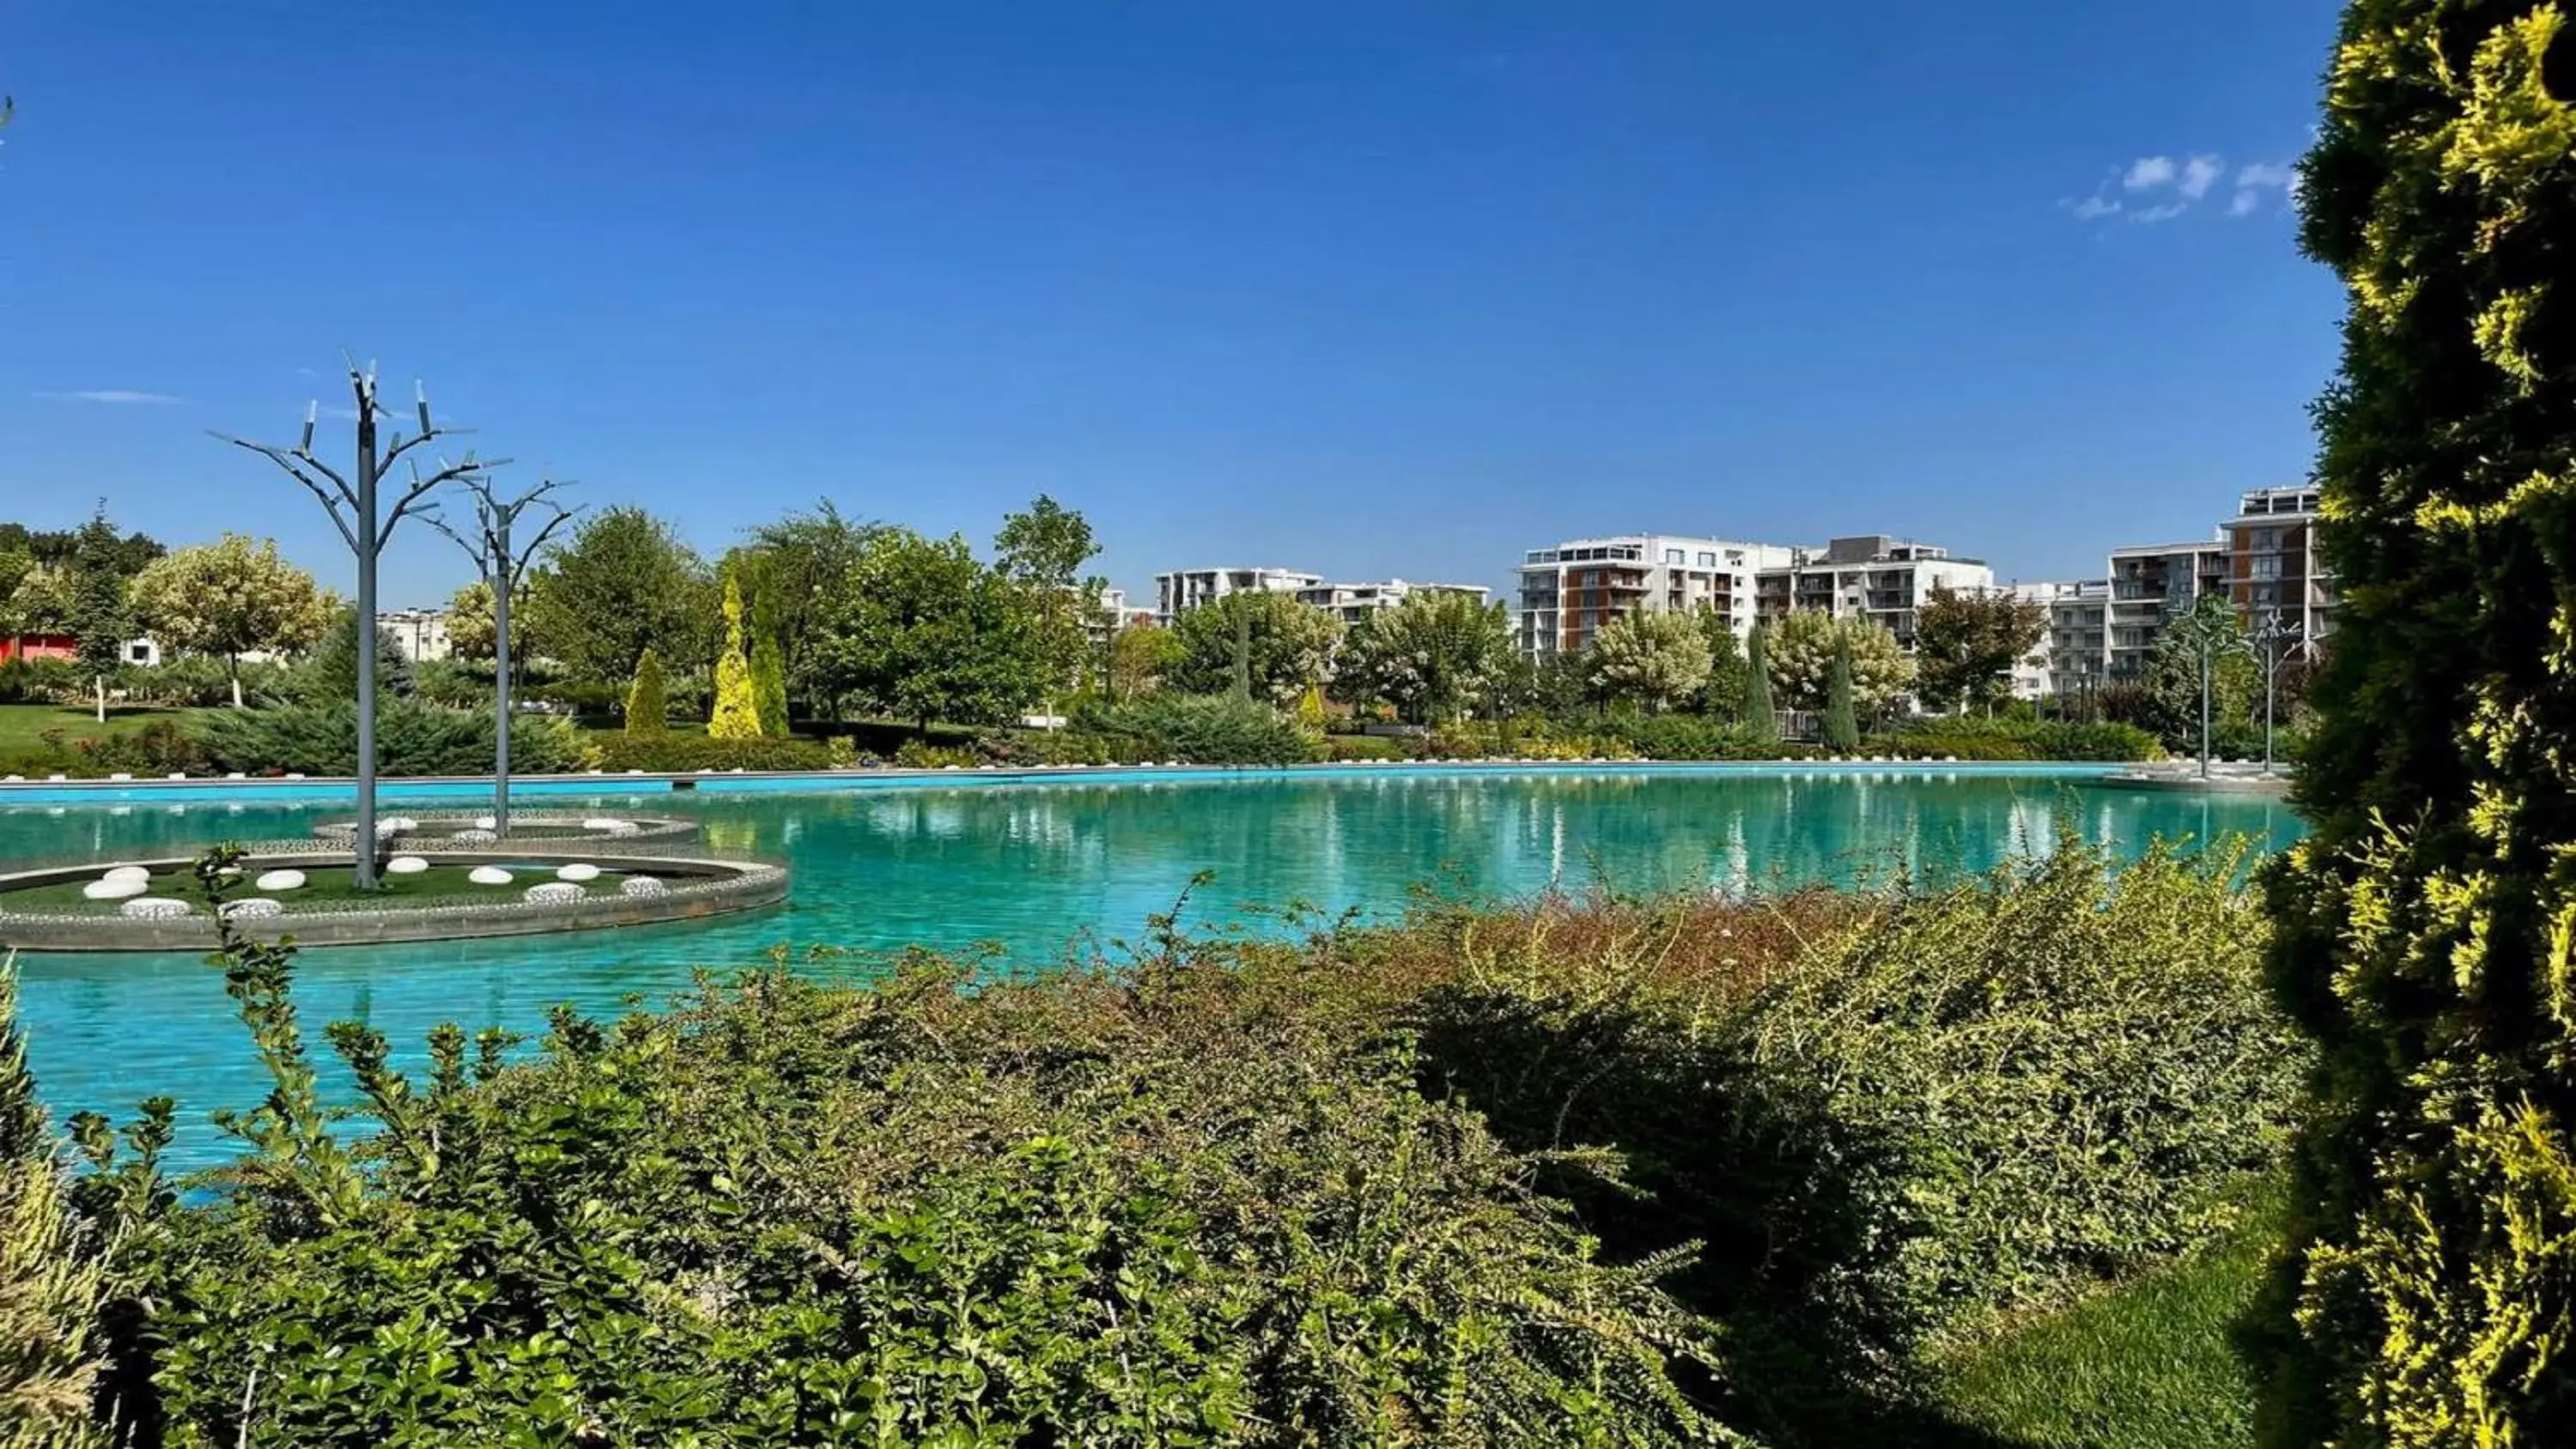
point(1031, 868)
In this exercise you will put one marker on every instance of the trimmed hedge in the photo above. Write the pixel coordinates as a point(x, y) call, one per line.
point(1968, 738)
point(412, 738)
point(686, 754)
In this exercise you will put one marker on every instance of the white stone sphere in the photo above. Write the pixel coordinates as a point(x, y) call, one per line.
point(127, 872)
point(601, 822)
point(487, 822)
point(406, 865)
point(114, 890)
point(579, 870)
point(473, 837)
point(153, 908)
point(279, 880)
point(643, 885)
point(555, 892)
point(488, 875)
point(257, 908)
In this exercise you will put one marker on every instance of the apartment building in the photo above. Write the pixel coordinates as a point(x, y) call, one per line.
point(1182, 590)
point(2273, 567)
point(2152, 584)
point(419, 635)
point(1351, 603)
point(1870, 575)
point(1568, 591)
point(2078, 642)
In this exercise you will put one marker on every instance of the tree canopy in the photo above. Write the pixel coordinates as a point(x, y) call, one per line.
point(922, 631)
point(1288, 647)
point(1967, 644)
point(229, 598)
point(802, 562)
point(1800, 649)
point(1435, 656)
point(1042, 550)
point(1649, 658)
point(623, 584)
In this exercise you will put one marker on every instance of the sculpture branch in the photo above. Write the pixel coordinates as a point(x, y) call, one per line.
point(561, 517)
point(289, 461)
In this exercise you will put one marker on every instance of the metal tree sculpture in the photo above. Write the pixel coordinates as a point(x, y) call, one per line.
point(2275, 641)
point(501, 563)
point(365, 528)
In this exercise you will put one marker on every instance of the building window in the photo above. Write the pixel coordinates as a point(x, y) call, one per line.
point(2267, 566)
point(1676, 557)
point(138, 653)
point(1707, 560)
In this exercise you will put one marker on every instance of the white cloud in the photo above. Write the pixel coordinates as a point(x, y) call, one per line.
point(2092, 208)
point(115, 395)
point(2245, 204)
point(2154, 214)
point(2198, 175)
point(2256, 175)
point(2148, 172)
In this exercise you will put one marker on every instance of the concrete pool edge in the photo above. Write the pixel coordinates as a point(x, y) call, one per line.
point(462, 787)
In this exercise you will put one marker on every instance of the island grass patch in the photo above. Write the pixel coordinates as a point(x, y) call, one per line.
point(331, 886)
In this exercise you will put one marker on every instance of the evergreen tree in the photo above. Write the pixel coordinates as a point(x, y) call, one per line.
point(1842, 730)
point(1722, 697)
point(769, 686)
point(647, 705)
point(2428, 1293)
point(330, 676)
point(1761, 722)
point(100, 621)
point(737, 710)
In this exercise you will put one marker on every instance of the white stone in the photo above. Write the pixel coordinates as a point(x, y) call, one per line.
point(473, 837)
point(406, 865)
point(280, 880)
point(396, 825)
point(15, 780)
point(487, 822)
point(295, 774)
point(601, 822)
point(58, 775)
point(488, 875)
point(127, 872)
point(114, 890)
point(257, 908)
point(235, 775)
point(153, 908)
point(577, 871)
point(178, 774)
point(121, 775)
point(643, 885)
point(623, 827)
point(555, 892)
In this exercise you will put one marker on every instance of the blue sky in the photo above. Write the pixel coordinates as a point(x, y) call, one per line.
point(1369, 287)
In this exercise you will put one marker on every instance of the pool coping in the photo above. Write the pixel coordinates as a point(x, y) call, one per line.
point(442, 787)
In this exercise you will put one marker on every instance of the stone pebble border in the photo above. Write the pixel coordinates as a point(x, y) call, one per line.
point(438, 827)
point(696, 886)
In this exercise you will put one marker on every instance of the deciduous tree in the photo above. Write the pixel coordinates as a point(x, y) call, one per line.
point(101, 622)
point(624, 584)
point(1141, 656)
point(1435, 656)
point(1800, 654)
point(229, 598)
point(924, 632)
point(1287, 646)
point(804, 560)
point(1042, 551)
point(1967, 644)
point(1649, 658)
point(2429, 1292)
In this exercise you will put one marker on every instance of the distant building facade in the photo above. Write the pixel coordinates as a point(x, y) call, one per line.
point(1568, 591)
point(1872, 576)
point(2273, 567)
point(419, 635)
point(1178, 592)
point(1351, 603)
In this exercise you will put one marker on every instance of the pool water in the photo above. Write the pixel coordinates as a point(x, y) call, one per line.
point(1033, 869)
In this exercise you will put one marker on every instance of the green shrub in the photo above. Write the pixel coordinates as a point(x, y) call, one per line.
point(1193, 729)
point(157, 746)
point(455, 683)
point(41, 681)
point(412, 738)
point(1970, 738)
point(920, 755)
point(791, 1213)
point(1355, 748)
point(647, 711)
point(687, 754)
point(50, 1282)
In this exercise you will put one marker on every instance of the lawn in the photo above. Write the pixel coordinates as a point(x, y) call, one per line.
point(23, 726)
point(324, 886)
point(2148, 1366)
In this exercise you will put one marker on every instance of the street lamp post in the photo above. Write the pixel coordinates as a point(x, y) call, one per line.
point(502, 563)
point(366, 530)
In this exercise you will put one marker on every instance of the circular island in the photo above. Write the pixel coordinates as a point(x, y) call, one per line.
point(308, 890)
point(595, 831)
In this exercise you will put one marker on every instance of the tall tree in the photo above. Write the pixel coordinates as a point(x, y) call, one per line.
point(2170, 685)
point(1760, 719)
point(1287, 647)
point(101, 623)
point(1435, 656)
point(469, 621)
point(737, 710)
point(805, 559)
point(2429, 1293)
point(647, 708)
point(1800, 653)
point(1842, 727)
point(1043, 550)
point(923, 632)
point(1649, 658)
point(229, 598)
point(1967, 644)
point(1722, 697)
point(625, 583)
point(1140, 657)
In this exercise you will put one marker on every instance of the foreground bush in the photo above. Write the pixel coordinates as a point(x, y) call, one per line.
point(1970, 738)
point(412, 738)
point(1190, 729)
point(788, 1213)
point(49, 1287)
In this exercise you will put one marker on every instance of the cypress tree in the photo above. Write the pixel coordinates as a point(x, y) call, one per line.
point(1761, 722)
point(1842, 729)
point(100, 621)
point(2428, 1293)
point(737, 714)
point(769, 686)
point(647, 707)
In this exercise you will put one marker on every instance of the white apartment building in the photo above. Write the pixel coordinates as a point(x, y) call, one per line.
point(1569, 591)
point(1178, 592)
point(2273, 565)
point(1351, 603)
point(1870, 575)
point(419, 635)
point(2079, 641)
point(2034, 675)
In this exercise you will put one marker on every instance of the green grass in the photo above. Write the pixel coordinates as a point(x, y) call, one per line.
point(23, 726)
point(2149, 1365)
point(323, 886)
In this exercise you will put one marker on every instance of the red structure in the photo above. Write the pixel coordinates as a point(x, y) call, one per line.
point(37, 646)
